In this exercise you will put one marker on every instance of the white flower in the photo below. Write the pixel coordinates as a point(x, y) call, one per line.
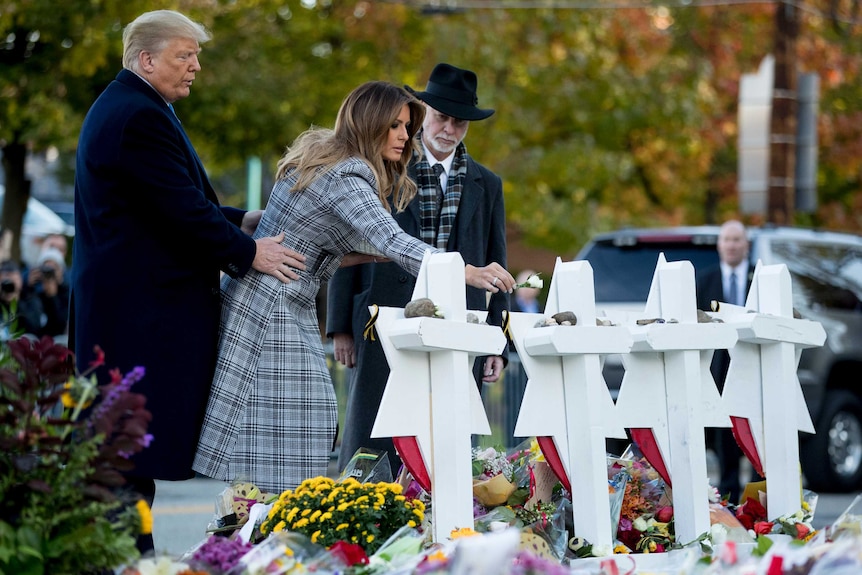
point(713, 494)
point(640, 524)
point(602, 550)
point(484, 454)
point(717, 533)
point(534, 281)
point(160, 566)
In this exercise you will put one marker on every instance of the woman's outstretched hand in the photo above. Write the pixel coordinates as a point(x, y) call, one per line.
point(493, 278)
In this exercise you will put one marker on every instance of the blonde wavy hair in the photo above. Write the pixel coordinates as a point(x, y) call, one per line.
point(362, 131)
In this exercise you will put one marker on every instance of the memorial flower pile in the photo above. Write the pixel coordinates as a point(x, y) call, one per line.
point(519, 490)
point(752, 514)
point(645, 510)
point(327, 511)
point(63, 442)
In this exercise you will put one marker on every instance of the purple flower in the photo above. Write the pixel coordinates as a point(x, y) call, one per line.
point(220, 553)
point(526, 563)
point(625, 524)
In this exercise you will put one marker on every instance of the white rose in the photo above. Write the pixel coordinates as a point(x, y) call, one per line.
point(640, 524)
point(717, 533)
point(602, 551)
point(535, 281)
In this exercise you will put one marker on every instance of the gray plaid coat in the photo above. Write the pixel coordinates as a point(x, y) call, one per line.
point(272, 413)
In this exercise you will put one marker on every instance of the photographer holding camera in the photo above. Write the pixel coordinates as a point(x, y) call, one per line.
point(20, 309)
point(47, 281)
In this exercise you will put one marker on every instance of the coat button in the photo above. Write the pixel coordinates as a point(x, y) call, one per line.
point(216, 290)
point(402, 279)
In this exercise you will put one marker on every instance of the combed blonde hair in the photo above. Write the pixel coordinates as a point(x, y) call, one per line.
point(361, 130)
point(152, 31)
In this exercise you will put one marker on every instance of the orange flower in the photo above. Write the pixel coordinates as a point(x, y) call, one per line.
point(462, 532)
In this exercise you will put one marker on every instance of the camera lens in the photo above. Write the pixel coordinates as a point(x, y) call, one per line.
point(7, 286)
point(47, 271)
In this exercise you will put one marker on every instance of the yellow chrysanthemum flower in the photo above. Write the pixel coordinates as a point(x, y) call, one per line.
point(622, 549)
point(146, 516)
point(462, 532)
point(279, 527)
point(534, 448)
point(369, 539)
point(315, 537)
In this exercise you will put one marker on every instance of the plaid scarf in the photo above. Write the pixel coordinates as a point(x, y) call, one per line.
point(437, 222)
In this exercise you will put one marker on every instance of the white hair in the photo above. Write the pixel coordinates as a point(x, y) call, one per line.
point(151, 32)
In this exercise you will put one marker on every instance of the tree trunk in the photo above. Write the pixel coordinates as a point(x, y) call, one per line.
point(14, 200)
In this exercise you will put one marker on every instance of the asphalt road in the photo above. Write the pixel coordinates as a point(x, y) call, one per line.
point(183, 509)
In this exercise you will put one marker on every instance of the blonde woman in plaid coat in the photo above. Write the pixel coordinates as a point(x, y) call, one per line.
point(271, 416)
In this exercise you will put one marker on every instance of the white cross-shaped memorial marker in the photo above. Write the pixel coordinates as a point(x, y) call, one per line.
point(431, 394)
point(762, 392)
point(668, 389)
point(566, 398)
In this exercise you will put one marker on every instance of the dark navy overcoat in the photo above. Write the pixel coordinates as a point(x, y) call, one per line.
point(149, 243)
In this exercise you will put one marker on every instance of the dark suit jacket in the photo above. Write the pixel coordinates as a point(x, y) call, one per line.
point(479, 236)
point(150, 241)
point(711, 287)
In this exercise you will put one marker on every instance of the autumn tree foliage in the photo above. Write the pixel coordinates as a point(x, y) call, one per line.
point(606, 116)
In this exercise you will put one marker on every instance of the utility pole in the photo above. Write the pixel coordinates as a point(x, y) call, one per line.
point(782, 150)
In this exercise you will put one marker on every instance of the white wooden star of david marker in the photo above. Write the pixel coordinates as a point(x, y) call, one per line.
point(667, 388)
point(431, 394)
point(762, 393)
point(566, 398)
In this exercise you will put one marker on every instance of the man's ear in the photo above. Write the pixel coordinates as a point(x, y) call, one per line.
point(145, 60)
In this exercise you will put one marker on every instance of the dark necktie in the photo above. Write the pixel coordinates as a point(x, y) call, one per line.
point(438, 171)
point(733, 295)
point(174, 112)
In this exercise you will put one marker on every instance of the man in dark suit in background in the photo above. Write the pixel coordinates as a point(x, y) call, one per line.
point(727, 282)
point(150, 241)
point(469, 217)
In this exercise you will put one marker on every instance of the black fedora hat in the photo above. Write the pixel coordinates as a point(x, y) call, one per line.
point(452, 91)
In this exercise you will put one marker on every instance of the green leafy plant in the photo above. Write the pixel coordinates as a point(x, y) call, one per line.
point(62, 455)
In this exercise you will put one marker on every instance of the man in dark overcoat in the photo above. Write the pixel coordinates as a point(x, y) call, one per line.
point(465, 214)
point(728, 282)
point(150, 241)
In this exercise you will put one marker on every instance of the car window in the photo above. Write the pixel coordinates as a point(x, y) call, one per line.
point(827, 275)
point(624, 273)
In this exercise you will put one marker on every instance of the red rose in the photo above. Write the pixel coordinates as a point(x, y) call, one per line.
point(665, 514)
point(802, 531)
point(629, 537)
point(350, 553)
point(750, 512)
point(763, 527)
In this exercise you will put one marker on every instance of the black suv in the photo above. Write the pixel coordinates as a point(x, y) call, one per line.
point(826, 272)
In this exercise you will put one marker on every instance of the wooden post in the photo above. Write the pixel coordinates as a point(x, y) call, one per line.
point(782, 155)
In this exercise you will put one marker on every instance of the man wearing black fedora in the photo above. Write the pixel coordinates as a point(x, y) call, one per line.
point(459, 208)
